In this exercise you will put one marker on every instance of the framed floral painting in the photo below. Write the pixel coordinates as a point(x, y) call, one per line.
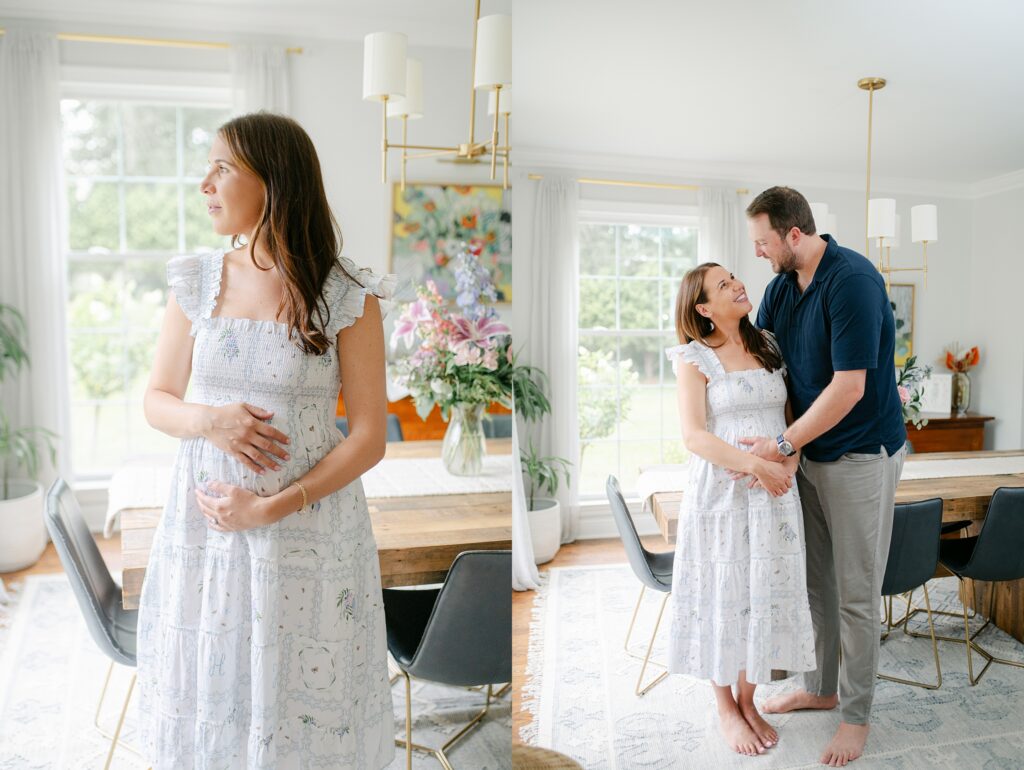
point(901, 298)
point(430, 222)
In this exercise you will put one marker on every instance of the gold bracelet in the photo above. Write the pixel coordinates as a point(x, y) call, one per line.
point(305, 499)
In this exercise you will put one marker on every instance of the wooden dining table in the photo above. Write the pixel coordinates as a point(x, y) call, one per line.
point(963, 497)
point(418, 537)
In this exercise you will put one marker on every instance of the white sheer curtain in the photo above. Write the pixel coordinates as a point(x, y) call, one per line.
point(525, 576)
point(31, 259)
point(259, 78)
point(545, 316)
point(721, 235)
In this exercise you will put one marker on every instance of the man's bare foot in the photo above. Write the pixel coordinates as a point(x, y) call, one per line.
point(737, 733)
point(764, 731)
point(796, 701)
point(846, 745)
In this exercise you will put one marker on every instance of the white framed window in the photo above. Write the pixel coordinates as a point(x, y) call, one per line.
point(133, 156)
point(631, 259)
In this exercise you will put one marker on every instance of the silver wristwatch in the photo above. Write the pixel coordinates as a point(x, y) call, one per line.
point(785, 448)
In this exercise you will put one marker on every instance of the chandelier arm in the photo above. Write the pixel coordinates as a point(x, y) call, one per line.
point(505, 155)
point(494, 132)
point(472, 84)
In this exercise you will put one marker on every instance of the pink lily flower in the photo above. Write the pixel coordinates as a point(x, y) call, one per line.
point(405, 327)
point(476, 331)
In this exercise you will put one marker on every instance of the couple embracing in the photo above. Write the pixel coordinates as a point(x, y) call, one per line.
point(797, 438)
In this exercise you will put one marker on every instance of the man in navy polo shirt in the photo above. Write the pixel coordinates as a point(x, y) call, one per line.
point(830, 313)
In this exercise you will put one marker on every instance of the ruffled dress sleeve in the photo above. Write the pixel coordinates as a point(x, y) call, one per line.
point(692, 353)
point(195, 281)
point(346, 298)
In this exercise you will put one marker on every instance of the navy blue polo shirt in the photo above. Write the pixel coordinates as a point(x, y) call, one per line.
point(842, 321)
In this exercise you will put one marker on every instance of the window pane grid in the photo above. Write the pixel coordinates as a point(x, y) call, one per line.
point(627, 392)
point(116, 259)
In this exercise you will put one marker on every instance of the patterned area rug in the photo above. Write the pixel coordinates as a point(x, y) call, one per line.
point(51, 674)
point(579, 688)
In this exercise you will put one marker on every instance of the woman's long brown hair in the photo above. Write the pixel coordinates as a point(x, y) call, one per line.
point(691, 325)
point(296, 224)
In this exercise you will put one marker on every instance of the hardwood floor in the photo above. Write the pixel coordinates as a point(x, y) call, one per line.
point(50, 563)
point(580, 553)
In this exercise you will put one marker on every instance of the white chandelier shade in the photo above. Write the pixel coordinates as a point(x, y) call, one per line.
point(493, 67)
point(411, 105)
point(384, 66)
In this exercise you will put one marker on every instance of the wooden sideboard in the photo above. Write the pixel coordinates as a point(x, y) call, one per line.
point(414, 428)
point(950, 434)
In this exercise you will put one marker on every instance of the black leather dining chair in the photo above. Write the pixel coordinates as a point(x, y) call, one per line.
point(654, 570)
point(111, 626)
point(913, 557)
point(994, 555)
point(394, 427)
point(459, 634)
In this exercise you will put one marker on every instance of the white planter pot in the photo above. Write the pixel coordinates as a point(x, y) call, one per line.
point(545, 529)
point(21, 522)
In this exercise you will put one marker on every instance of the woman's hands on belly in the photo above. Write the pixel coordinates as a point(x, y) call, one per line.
point(233, 508)
point(239, 431)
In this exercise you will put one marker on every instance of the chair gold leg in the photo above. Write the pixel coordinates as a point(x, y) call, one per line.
point(632, 621)
point(642, 689)
point(935, 646)
point(408, 721)
point(120, 723)
point(439, 753)
point(112, 737)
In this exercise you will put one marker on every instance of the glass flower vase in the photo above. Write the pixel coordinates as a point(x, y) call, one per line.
point(961, 392)
point(464, 448)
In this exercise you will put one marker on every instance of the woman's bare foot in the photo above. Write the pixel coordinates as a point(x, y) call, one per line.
point(764, 731)
point(846, 745)
point(796, 701)
point(737, 733)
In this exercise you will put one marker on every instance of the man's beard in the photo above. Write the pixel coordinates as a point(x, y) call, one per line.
point(786, 262)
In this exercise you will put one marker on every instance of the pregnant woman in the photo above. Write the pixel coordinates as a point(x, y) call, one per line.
point(261, 629)
point(739, 595)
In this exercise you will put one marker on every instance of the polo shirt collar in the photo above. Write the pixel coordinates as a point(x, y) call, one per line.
point(827, 264)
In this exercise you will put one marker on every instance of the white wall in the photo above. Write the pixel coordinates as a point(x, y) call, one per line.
point(992, 316)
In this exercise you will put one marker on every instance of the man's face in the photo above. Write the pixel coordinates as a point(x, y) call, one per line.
point(770, 245)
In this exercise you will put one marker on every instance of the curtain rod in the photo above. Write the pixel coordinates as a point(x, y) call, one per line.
point(148, 41)
point(647, 185)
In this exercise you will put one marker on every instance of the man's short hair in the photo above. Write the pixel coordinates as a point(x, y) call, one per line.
point(786, 209)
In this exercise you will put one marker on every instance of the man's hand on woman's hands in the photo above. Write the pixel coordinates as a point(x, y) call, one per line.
point(763, 447)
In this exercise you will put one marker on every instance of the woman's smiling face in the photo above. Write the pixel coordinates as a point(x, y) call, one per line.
point(726, 296)
point(234, 195)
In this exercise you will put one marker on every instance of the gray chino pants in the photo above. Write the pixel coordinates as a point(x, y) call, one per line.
point(847, 507)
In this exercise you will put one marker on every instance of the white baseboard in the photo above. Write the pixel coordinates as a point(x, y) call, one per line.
point(596, 521)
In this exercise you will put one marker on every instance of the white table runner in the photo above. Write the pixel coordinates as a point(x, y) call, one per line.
point(976, 466)
point(672, 478)
point(146, 484)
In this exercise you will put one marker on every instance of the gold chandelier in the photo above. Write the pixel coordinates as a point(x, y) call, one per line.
point(882, 222)
point(394, 80)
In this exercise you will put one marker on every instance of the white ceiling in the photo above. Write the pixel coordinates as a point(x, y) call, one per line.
point(445, 23)
point(760, 84)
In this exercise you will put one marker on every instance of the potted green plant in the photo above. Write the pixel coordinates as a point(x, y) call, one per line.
point(545, 513)
point(21, 500)
point(541, 473)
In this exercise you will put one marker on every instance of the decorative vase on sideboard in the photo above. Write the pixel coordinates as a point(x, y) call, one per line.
point(961, 392)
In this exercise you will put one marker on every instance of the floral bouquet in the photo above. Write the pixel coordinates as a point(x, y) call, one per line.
point(463, 360)
point(908, 383)
point(961, 362)
point(462, 355)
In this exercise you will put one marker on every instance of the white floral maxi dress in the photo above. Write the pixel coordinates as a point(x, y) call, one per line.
point(739, 594)
point(264, 648)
